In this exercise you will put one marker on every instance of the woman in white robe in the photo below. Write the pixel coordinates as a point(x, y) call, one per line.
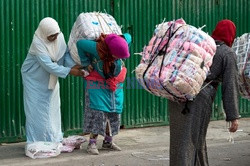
point(47, 60)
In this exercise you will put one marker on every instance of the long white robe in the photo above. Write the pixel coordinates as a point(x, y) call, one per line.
point(42, 105)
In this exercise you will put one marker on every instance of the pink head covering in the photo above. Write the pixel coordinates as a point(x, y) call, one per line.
point(117, 46)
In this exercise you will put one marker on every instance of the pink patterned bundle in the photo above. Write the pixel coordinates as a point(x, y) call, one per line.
point(176, 61)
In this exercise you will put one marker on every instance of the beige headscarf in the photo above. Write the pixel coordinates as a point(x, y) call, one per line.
point(42, 46)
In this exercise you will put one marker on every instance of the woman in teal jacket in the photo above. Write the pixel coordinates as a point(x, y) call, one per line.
point(103, 86)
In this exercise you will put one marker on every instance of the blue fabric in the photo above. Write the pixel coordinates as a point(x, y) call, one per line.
point(102, 99)
point(128, 38)
point(42, 105)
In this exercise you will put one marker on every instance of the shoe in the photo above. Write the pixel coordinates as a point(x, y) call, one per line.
point(92, 149)
point(110, 146)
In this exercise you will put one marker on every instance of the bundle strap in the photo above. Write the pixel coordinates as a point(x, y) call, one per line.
point(160, 53)
point(163, 52)
point(152, 59)
point(99, 15)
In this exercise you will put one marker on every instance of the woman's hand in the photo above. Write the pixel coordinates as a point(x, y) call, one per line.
point(76, 71)
point(234, 125)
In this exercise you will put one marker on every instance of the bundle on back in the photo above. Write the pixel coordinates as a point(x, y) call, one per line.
point(89, 26)
point(241, 46)
point(176, 61)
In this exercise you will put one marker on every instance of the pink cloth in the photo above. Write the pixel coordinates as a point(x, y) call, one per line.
point(117, 46)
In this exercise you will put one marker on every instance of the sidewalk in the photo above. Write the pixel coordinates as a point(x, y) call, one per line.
point(144, 147)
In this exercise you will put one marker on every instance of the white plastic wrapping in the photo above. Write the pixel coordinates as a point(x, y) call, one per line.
point(42, 149)
point(90, 26)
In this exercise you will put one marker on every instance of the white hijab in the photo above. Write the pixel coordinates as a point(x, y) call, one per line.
point(42, 46)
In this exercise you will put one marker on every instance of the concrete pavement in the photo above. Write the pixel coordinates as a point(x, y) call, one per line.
point(144, 147)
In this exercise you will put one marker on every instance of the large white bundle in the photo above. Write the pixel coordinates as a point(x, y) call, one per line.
point(176, 61)
point(42, 149)
point(241, 46)
point(90, 26)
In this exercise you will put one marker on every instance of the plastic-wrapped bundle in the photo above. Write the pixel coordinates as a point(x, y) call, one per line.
point(90, 26)
point(241, 46)
point(42, 149)
point(176, 61)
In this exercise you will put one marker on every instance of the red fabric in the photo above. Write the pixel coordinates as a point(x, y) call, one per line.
point(225, 31)
point(112, 82)
point(103, 52)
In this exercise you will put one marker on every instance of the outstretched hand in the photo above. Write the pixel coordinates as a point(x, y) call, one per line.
point(76, 71)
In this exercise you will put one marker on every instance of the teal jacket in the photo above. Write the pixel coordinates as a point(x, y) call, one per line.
point(101, 98)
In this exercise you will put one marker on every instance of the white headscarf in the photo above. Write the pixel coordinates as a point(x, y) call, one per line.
point(42, 46)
